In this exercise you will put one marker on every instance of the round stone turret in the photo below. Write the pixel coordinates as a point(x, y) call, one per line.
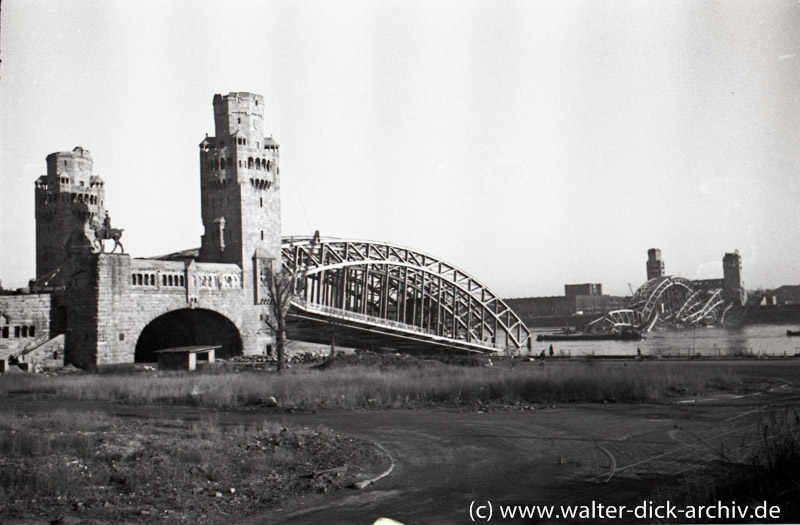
point(68, 197)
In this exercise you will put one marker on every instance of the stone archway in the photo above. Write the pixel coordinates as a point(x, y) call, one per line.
point(188, 327)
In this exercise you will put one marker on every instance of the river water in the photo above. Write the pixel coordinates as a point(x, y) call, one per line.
point(751, 340)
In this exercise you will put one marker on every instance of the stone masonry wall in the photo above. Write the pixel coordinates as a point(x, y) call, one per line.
point(24, 322)
point(123, 307)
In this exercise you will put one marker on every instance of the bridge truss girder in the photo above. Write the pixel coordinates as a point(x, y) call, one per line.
point(665, 300)
point(393, 286)
point(616, 320)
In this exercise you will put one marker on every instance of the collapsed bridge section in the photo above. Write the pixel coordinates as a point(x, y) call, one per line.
point(668, 300)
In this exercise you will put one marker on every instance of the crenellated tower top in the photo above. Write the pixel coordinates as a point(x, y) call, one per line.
point(68, 197)
point(240, 187)
point(238, 112)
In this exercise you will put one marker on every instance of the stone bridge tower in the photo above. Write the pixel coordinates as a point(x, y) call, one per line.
point(67, 198)
point(655, 264)
point(733, 289)
point(240, 189)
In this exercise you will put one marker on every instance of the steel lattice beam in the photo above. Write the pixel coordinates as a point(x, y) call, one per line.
point(398, 288)
point(665, 300)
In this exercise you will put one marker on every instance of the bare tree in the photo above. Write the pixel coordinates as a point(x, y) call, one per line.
point(280, 287)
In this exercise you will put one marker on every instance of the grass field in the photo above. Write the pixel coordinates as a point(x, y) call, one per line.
point(360, 387)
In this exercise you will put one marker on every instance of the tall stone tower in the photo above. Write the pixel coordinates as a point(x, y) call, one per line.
point(733, 289)
point(67, 199)
point(655, 265)
point(240, 189)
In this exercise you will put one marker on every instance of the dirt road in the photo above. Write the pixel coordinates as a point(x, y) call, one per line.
point(613, 454)
point(446, 459)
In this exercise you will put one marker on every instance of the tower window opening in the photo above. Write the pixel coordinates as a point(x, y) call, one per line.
point(240, 163)
point(24, 331)
point(222, 164)
point(262, 235)
point(250, 163)
point(163, 280)
point(258, 164)
point(216, 164)
point(240, 120)
point(261, 202)
point(32, 331)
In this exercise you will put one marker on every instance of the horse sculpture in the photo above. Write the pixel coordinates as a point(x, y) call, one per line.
point(103, 232)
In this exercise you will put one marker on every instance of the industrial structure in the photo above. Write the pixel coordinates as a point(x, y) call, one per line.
point(90, 308)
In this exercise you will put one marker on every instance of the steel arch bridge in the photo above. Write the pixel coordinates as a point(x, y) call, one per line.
point(667, 300)
point(382, 295)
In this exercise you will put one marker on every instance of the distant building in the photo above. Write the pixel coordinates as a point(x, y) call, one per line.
point(733, 290)
point(655, 265)
point(571, 290)
point(786, 294)
point(579, 300)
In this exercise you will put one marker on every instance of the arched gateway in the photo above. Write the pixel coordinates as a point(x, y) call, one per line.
point(188, 327)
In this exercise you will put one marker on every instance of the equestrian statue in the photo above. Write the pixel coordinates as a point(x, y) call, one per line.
point(105, 231)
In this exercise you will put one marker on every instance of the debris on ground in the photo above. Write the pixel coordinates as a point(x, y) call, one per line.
point(91, 468)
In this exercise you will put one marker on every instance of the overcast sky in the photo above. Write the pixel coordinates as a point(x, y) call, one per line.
point(532, 144)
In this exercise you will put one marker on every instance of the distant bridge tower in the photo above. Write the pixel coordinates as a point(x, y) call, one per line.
point(240, 189)
point(655, 265)
point(733, 289)
point(67, 198)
